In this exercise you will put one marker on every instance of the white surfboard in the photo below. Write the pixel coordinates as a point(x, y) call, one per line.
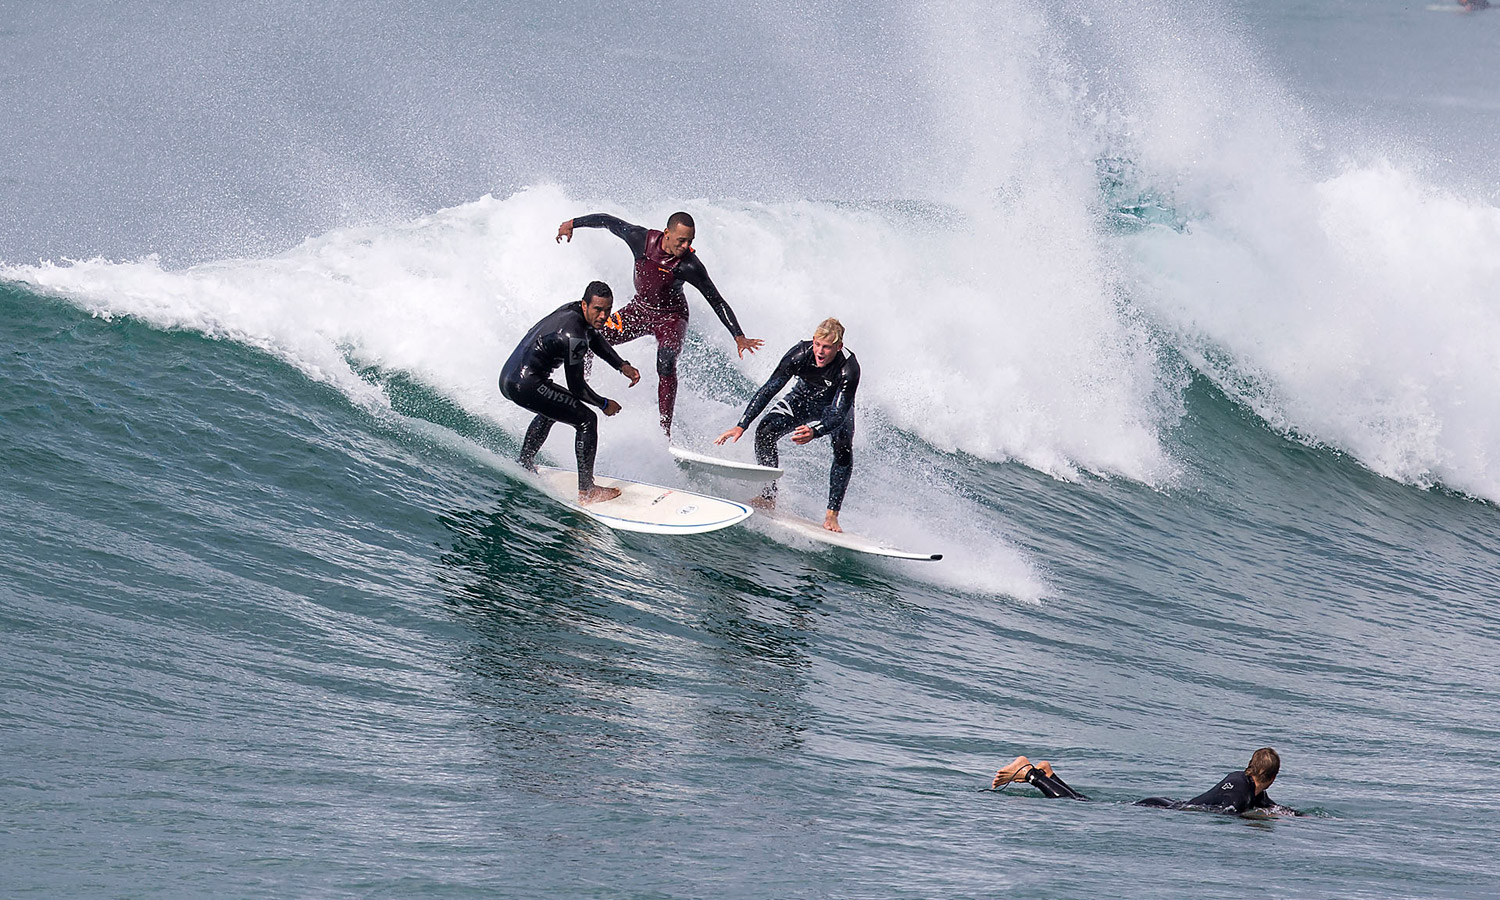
point(647, 508)
point(724, 468)
point(815, 531)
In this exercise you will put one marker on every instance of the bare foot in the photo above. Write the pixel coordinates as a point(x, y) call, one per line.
point(1012, 772)
point(760, 502)
point(597, 494)
point(831, 522)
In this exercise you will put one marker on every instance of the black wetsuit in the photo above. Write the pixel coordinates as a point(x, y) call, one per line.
point(561, 339)
point(1234, 793)
point(822, 398)
point(1051, 785)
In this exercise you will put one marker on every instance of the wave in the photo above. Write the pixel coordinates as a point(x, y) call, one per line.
point(1013, 308)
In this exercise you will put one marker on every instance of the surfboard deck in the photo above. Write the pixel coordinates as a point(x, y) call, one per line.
point(646, 508)
point(724, 468)
point(816, 532)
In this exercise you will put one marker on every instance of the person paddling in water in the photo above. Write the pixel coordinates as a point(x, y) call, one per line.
point(663, 261)
point(564, 338)
point(820, 404)
point(1235, 793)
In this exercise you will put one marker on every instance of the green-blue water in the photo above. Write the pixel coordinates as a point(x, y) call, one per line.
point(1178, 331)
point(260, 642)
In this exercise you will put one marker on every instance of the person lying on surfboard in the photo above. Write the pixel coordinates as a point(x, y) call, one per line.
point(1235, 793)
point(663, 261)
point(820, 403)
point(564, 338)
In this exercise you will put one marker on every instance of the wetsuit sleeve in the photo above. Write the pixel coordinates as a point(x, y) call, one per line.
point(694, 273)
point(841, 407)
point(603, 350)
point(773, 385)
point(633, 235)
point(573, 369)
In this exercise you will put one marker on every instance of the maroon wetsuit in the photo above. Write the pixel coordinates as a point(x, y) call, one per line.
point(659, 307)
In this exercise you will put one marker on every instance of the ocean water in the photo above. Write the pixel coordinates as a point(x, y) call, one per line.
point(1178, 334)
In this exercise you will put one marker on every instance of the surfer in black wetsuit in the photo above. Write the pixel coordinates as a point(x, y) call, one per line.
point(820, 403)
point(1235, 793)
point(663, 261)
point(563, 338)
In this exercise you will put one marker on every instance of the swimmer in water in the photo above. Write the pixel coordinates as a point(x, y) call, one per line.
point(1235, 793)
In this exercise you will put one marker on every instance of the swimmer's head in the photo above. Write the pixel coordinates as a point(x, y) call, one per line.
point(1264, 765)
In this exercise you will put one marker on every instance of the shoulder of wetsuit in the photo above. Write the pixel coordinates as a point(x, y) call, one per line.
point(1234, 791)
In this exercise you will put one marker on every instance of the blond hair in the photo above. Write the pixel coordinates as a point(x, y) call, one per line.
point(830, 330)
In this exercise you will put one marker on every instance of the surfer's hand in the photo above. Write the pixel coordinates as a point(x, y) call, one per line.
point(803, 434)
point(732, 434)
point(565, 230)
point(611, 407)
point(631, 372)
point(744, 343)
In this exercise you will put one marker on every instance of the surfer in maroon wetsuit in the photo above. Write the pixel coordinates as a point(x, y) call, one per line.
point(663, 261)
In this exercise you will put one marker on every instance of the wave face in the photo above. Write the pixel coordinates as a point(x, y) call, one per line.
point(1177, 337)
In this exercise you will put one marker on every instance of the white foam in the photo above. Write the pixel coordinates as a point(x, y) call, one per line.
point(1357, 311)
point(1347, 303)
point(446, 297)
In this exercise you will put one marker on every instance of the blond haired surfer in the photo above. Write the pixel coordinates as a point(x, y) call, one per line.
point(820, 404)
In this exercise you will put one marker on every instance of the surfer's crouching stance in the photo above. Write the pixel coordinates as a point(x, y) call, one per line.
point(820, 403)
point(1235, 793)
point(564, 338)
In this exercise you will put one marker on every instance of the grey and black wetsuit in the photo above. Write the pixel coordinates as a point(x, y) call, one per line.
point(822, 398)
point(561, 339)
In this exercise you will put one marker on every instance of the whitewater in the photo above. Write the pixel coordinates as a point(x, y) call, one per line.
point(1178, 334)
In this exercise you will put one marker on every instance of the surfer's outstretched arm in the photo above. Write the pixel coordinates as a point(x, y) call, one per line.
point(633, 235)
point(695, 273)
point(773, 386)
